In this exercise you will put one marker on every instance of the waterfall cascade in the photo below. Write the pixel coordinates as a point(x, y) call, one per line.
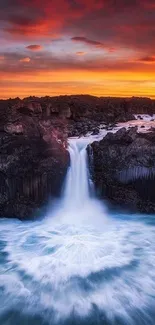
point(77, 187)
point(79, 203)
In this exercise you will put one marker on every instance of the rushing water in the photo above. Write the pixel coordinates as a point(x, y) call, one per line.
point(78, 265)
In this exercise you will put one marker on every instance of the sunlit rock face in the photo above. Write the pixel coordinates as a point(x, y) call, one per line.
point(123, 169)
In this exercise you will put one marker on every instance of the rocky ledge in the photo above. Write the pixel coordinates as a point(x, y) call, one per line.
point(123, 169)
point(81, 113)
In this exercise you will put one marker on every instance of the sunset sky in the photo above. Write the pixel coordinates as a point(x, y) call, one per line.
point(97, 47)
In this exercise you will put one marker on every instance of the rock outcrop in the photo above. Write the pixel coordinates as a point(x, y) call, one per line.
point(81, 113)
point(33, 164)
point(123, 169)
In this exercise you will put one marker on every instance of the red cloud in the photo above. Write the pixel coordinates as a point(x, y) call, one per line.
point(149, 4)
point(147, 59)
point(104, 22)
point(38, 18)
point(127, 26)
point(34, 47)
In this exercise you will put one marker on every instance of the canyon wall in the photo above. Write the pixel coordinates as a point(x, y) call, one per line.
point(33, 164)
point(34, 157)
point(123, 169)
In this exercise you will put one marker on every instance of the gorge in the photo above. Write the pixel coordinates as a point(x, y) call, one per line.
point(80, 263)
point(77, 226)
point(34, 159)
point(77, 162)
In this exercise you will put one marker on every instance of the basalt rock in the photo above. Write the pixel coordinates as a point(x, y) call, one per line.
point(33, 165)
point(123, 169)
point(80, 113)
point(73, 108)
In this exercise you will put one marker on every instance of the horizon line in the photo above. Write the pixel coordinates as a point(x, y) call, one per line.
point(74, 95)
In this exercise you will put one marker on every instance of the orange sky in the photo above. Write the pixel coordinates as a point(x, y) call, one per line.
point(98, 47)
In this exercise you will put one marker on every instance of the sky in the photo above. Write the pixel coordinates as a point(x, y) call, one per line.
point(62, 47)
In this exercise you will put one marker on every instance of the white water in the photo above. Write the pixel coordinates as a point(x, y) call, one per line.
point(79, 202)
point(77, 182)
point(78, 265)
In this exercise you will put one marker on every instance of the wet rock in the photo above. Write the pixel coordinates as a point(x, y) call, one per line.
point(95, 131)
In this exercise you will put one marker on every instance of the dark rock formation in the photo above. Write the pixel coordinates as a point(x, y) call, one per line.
point(123, 169)
point(33, 156)
point(80, 106)
point(33, 164)
point(81, 113)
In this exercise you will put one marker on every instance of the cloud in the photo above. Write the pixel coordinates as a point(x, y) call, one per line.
point(147, 59)
point(102, 23)
point(27, 60)
point(149, 4)
point(117, 35)
point(48, 62)
point(80, 53)
point(34, 47)
point(37, 18)
point(88, 41)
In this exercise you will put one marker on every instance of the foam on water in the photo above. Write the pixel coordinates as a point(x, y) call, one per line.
point(53, 271)
point(65, 269)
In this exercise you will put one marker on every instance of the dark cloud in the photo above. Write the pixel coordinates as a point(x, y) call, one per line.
point(88, 41)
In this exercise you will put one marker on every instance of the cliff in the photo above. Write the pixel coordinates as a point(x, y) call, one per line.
point(33, 163)
point(123, 169)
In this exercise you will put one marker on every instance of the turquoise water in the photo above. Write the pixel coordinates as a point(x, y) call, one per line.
point(55, 272)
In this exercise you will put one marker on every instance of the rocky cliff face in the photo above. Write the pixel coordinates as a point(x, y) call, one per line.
point(123, 169)
point(34, 159)
point(33, 163)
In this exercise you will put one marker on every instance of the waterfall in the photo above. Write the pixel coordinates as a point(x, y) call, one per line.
point(78, 204)
point(79, 265)
point(77, 182)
